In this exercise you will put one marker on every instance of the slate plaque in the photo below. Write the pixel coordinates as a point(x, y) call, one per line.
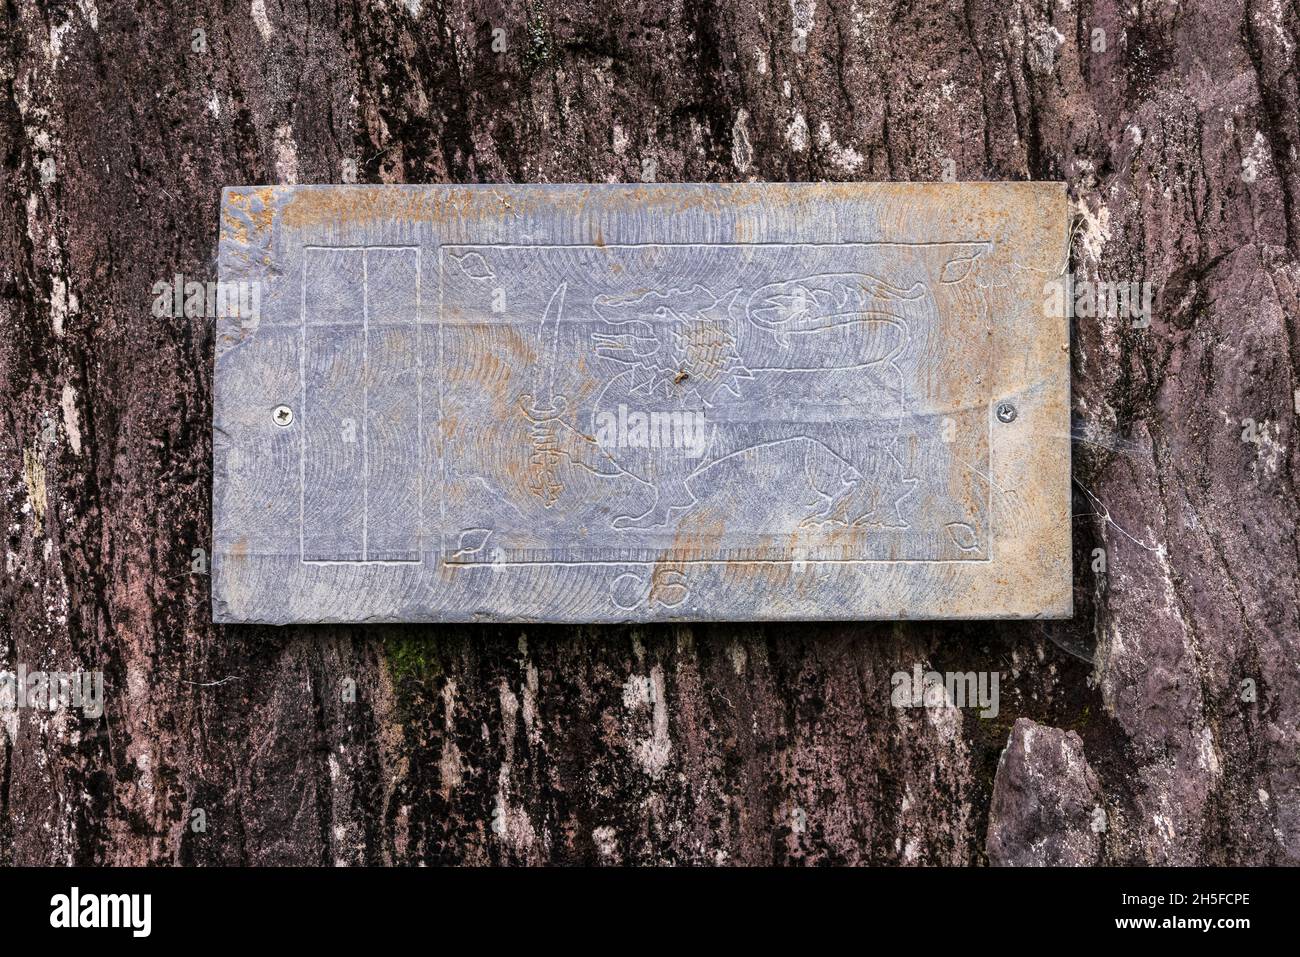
point(634, 403)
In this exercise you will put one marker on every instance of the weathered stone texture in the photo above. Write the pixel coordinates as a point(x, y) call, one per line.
point(1047, 806)
point(645, 403)
point(118, 128)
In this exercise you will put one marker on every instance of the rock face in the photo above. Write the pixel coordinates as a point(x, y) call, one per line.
point(1047, 808)
point(1176, 130)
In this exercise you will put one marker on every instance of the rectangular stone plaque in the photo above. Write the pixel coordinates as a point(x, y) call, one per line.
point(636, 403)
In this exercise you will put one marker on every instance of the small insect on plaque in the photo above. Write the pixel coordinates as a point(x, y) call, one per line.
point(642, 403)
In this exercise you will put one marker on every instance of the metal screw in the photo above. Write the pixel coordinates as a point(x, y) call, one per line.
point(283, 416)
point(1006, 412)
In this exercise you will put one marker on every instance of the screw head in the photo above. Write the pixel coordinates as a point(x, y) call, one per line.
point(1006, 412)
point(282, 415)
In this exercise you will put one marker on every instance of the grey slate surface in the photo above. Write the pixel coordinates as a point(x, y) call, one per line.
point(608, 403)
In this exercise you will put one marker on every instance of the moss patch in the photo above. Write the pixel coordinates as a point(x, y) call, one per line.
point(412, 660)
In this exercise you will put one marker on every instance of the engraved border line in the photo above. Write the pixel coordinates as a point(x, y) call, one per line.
point(988, 558)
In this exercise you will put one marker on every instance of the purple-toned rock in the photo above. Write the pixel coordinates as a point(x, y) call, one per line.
point(1047, 808)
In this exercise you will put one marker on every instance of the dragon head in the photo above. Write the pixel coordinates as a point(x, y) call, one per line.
point(681, 340)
